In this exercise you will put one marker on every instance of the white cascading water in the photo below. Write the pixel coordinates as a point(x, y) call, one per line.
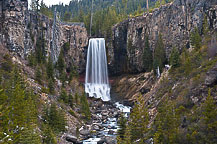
point(96, 80)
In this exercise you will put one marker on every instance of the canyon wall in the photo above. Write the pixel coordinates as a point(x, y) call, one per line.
point(21, 29)
point(174, 21)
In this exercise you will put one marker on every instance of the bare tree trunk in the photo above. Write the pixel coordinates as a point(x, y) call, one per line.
point(91, 18)
point(147, 6)
point(160, 2)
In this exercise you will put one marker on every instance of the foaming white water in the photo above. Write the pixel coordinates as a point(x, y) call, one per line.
point(96, 80)
point(91, 141)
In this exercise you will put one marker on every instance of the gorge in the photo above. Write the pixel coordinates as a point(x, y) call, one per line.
point(58, 85)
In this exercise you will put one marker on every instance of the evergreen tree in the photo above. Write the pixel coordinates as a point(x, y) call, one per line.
point(60, 62)
point(31, 60)
point(122, 126)
point(138, 121)
point(71, 102)
point(4, 118)
point(61, 121)
point(147, 56)
point(188, 66)
point(30, 135)
point(40, 53)
point(167, 123)
point(50, 69)
point(174, 58)
point(205, 29)
point(38, 75)
point(127, 136)
point(195, 39)
point(85, 107)
point(159, 54)
point(48, 135)
point(45, 10)
point(209, 119)
point(67, 16)
point(64, 96)
point(51, 86)
point(55, 119)
point(77, 101)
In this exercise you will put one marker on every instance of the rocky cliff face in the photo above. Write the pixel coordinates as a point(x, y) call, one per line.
point(21, 29)
point(174, 21)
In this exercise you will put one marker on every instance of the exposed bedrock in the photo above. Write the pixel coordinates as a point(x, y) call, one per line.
point(21, 28)
point(174, 21)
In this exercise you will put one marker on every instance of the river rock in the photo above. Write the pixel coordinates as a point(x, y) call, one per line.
point(110, 132)
point(110, 140)
point(84, 132)
point(101, 141)
point(72, 139)
point(96, 127)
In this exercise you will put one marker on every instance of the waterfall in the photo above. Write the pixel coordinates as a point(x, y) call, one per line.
point(96, 80)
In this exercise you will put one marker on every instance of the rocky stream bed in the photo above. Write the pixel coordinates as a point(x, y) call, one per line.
point(103, 127)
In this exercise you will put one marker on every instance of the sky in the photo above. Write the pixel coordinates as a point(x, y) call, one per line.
point(53, 2)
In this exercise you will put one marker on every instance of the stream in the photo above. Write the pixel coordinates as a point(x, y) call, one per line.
point(104, 126)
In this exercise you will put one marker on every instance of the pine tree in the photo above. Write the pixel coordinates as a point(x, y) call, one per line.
point(71, 102)
point(147, 56)
point(167, 123)
point(188, 66)
point(61, 121)
point(50, 69)
point(48, 135)
point(45, 10)
point(38, 75)
point(4, 119)
point(127, 136)
point(31, 60)
point(77, 101)
point(51, 86)
point(56, 119)
point(209, 119)
point(64, 96)
point(195, 39)
point(205, 29)
point(159, 54)
point(67, 16)
point(85, 107)
point(40, 53)
point(30, 135)
point(138, 121)
point(174, 58)
point(60, 62)
point(122, 126)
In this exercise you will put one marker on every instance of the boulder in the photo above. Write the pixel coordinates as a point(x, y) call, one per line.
point(84, 132)
point(72, 139)
point(110, 140)
point(110, 132)
point(211, 77)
